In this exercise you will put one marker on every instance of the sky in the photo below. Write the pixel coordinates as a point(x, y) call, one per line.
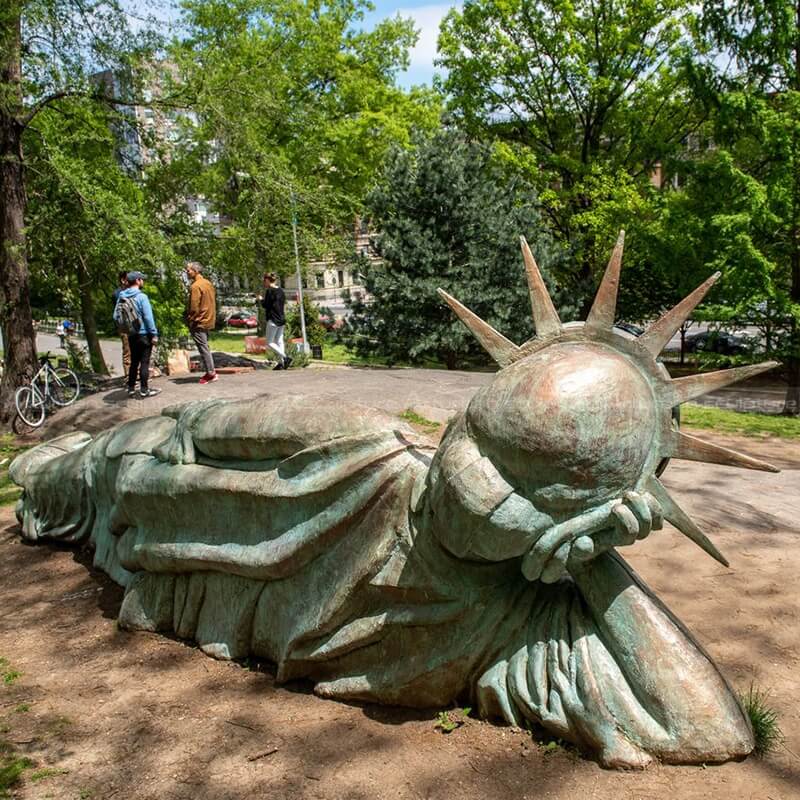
point(427, 17)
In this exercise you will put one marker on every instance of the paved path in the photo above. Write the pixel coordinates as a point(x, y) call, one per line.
point(112, 349)
point(436, 394)
point(442, 392)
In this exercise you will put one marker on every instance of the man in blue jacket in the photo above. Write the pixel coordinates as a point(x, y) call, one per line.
point(134, 315)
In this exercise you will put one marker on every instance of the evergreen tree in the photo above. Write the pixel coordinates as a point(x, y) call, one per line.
point(449, 216)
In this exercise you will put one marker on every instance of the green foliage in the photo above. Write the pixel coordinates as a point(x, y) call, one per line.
point(77, 357)
point(764, 719)
point(46, 772)
point(49, 50)
point(22, 708)
point(89, 219)
point(756, 132)
point(65, 42)
point(8, 673)
point(294, 108)
point(740, 422)
point(448, 721)
point(449, 216)
point(11, 769)
point(168, 298)
point(315, 330)
point(551, 748)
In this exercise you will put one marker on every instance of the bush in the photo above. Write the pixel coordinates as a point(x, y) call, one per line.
point(315, 330)
point(77, 357)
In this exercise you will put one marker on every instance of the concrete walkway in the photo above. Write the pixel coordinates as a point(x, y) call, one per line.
point(435, 394)
point(441, 392)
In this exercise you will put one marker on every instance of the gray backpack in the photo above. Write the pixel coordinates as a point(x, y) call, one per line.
point(126, 315)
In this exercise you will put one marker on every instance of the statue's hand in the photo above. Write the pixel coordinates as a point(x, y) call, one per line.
point(568, 544)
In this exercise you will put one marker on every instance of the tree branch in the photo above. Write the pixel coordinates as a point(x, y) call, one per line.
point(97, 96)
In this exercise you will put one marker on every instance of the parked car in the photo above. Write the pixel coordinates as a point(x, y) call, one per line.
point(242, 319)
point(722, 342)
point(629, 327)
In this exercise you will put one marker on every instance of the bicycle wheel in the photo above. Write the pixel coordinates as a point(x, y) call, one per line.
point(64, 386)
point(30, 406)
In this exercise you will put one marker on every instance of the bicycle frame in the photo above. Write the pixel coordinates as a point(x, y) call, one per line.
point(39, 398)
point(40, 383)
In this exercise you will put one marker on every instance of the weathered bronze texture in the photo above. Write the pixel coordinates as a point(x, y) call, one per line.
point(351, 551)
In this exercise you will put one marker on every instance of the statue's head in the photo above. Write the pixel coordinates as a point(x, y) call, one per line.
point(572, 424)
point(582, 413)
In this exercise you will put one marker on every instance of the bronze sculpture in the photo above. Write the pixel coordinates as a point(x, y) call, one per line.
point(350, 550)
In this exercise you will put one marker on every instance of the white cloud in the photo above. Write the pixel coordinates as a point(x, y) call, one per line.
point(426, 20)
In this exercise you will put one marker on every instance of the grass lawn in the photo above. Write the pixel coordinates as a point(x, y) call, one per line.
point(9, 492)
point(227, 342)
point(746, 423)
point(337, 353)
point(332, 353)
point(341, 354)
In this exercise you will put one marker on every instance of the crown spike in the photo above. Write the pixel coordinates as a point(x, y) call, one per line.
point(545, 316)
point(688, 388)
point(657, 336)
point(495, 344)
point(675, 515)
point(693, 449)
point(601, 316)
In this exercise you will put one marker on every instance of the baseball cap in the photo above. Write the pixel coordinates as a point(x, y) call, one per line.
point(134, 276)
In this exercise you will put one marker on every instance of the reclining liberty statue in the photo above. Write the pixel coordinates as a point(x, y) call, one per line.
point(352, 551)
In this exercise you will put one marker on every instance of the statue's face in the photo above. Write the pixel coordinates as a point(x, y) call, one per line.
point(571, 425)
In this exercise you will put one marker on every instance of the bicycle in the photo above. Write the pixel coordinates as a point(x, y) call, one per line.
point(59, 386)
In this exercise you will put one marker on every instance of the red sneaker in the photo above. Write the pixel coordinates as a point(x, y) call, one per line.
point(209, 377)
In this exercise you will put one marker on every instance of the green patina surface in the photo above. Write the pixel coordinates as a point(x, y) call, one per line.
point(351, 550)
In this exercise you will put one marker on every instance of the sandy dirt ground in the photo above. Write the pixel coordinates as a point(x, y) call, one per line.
point(113, 714)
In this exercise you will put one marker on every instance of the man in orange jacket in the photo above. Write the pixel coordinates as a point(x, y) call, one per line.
point(201, 315)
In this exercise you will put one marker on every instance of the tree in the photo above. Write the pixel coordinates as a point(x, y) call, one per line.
point(757, 130)
point(46, 49)
point(707, 224)
point(449, 217)
point(589, 97)
point(293, 111)
point(88, 217)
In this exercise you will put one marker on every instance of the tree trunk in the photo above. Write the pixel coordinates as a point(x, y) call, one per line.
point(19, 338)
point(88, 320)
point(791, 405)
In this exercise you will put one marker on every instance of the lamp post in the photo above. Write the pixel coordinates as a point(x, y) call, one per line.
point(299, 277)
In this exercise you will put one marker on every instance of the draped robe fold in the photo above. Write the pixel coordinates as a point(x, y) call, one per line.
point(336, 545)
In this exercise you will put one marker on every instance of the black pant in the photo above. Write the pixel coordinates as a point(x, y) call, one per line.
point(141, 348)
